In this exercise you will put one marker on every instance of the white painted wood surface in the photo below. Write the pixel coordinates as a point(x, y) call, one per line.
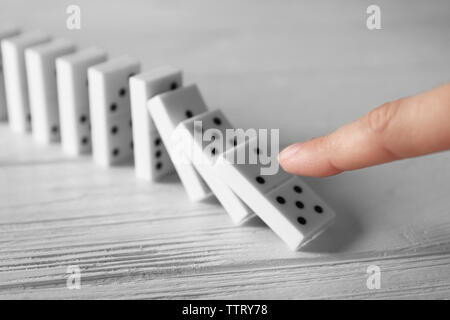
point(303, 67)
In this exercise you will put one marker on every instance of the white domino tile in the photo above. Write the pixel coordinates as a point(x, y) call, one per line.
point(301, 215)
point(284, 202)
point(42, 88)
point(168, 110)
point(6, 31)
point(151, 160)
point(203, 138)
point(73, 98)
point(16, 85)
point(110, 114)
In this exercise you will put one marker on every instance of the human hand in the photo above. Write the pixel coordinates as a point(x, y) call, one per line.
point(405, 128)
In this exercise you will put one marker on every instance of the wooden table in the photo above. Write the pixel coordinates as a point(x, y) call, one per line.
point(303, 67)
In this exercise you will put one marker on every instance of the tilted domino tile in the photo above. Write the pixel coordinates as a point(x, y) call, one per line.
point(6, 31)
point(16, 85)
point(168, 110)
point(73, 98)
point(202, 150)
point(42, 89)
point(282, 201)
point(151, 160)
point(109, 102)
point(305, 214)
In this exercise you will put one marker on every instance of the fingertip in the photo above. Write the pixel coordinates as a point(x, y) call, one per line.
point(292, 159)
point(307, 159)
point(289, 152)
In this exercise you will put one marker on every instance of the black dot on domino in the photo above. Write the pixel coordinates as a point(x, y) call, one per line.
point(84, 140)
point(188, 114)
point(299, 204)
point(217, 121)
point(158, 166)
point(260, 180)
point(115, 152)
point(157, 141)
point(114, 130)
point(301, 220)
point(298, 189)
point(318, 209)
point(83, 118)
point(122, 92)
point(158, 154)
point(281, 200)
point(173, 86)
point(113, 107)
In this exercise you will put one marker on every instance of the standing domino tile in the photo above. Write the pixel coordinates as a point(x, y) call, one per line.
point(203, 149)
point(291, 209)
point(16, 85)
point(168, 110)
point(42, 89)
point(73, 98)
point(151, 160)
point(110, 110)
point(6, 31)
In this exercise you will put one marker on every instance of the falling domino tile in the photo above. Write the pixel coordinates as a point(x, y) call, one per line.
point(168, 110)
point(284, 202)
point(202, 150)
point(16, 85)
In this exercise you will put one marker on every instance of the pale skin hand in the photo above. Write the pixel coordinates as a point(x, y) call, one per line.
point(405, 128)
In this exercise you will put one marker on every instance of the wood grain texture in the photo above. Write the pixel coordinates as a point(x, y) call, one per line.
point(303, 67)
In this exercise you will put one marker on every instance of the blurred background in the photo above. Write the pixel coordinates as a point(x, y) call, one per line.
point(305, 67)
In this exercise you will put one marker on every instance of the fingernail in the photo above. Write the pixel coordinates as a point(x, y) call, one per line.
point(289, 151)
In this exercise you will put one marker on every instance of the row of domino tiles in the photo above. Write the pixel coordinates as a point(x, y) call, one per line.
point(108, 107)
